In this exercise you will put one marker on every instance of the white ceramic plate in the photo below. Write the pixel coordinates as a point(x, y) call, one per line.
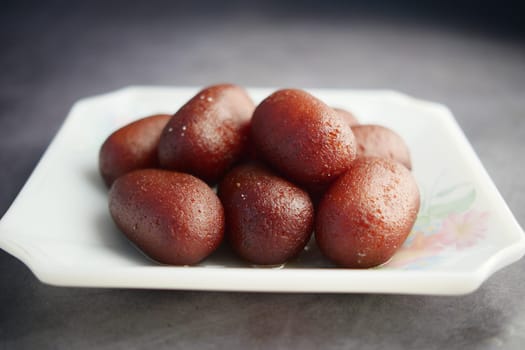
point(60, 228)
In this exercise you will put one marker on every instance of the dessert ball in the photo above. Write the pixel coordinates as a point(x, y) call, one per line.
point(268, 220)
point(380, 141)
point(174, 218)
point(366, 214)
point(131, 147)
point(348, 116)
point(208, 134)
point(302, 137)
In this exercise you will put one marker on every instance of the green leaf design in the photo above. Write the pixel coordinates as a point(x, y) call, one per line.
point(423, 220)
point(456, 206)
point(449, 190)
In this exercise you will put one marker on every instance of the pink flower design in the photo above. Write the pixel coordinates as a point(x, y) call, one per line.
point(418, 246)
point(457, 230)
point(463, 230)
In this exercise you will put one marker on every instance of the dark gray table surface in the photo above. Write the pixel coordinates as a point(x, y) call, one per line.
point(52, 56)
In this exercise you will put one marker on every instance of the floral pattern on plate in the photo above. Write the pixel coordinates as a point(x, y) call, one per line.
point(447, 222)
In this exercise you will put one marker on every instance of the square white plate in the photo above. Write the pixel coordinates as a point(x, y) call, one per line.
point(60, 228)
